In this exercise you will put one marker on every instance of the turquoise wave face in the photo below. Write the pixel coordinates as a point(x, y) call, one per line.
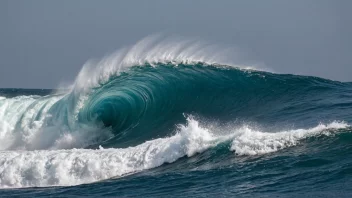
point(147, 101)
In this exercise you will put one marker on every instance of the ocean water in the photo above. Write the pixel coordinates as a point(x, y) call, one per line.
point(171, 123)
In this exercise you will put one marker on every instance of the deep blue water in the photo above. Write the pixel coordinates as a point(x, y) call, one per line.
point(178, 131)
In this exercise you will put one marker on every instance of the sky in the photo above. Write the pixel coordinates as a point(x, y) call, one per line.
point(44, 43)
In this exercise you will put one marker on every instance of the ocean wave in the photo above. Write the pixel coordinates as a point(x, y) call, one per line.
point(133, 103)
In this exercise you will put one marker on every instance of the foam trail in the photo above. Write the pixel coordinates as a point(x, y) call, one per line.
point(77, 166)
point(248, 141)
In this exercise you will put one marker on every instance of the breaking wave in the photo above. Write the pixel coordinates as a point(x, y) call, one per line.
point(155, 103)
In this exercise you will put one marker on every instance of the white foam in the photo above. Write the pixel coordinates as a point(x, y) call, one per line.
point(249, 141)
point(19, 112)
point(77, 166)
point(23, 126)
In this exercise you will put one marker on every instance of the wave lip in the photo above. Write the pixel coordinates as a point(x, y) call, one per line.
point(154, 50)
point(76, 166)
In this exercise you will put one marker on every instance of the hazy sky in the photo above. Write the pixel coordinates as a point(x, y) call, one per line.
point(46, 42)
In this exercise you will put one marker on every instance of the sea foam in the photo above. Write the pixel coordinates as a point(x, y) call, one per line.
point(77, 166)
